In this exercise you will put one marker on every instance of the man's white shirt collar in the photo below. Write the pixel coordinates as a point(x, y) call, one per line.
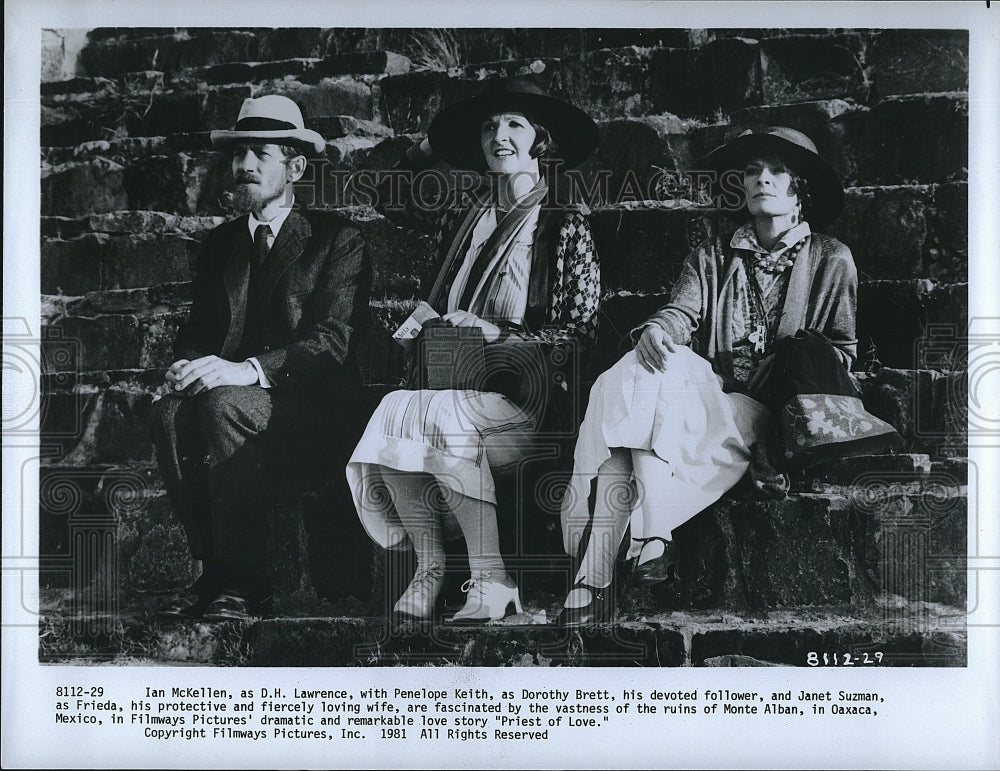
point(275, 224)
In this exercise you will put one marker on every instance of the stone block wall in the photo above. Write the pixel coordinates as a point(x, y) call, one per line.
point(130, 187)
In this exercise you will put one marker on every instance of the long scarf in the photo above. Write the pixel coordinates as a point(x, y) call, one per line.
point(508, 225)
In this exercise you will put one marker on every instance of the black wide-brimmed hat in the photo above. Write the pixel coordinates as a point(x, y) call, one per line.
point(455, 132)
point(798, 151)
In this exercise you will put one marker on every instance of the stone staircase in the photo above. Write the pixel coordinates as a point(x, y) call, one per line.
point(866, 554)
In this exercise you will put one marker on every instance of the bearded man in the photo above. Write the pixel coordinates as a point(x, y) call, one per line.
point(265, 371)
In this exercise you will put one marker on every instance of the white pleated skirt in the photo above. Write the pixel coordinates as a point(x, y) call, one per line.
point(462, 438)
point(682, 415)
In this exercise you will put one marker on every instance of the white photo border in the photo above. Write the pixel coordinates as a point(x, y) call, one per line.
point(936, 718)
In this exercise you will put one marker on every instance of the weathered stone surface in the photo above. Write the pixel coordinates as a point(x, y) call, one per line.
point(837, 475)
point(105, 342)
point(922, 138)
point(954, 424)
point(64, 418)
point(178, 112)
point(622, 91)
point(795, 552)
point(72, 267)
point(641, 248)
point(905, 399)
point(121, 435)
point(153, 550)
point(83, 188)
point(159, 333)
point(138, 110)
point(886, 229)
point(369, 641)
point(288, 43)
point(149, 222)
point(632, 157)
point(331, 96)
point(894, 316)
point(402, 260)
point(834, 125)
point(802, 67)
point(178, 182)
point(157, 298)
point(792, 646)
point(724, 74)
point(947, 252)
point(62, 227)
point(71, 86)
point(343, 153)
point(919, 61)
point(169, 51)
point(337, 126)
point(367, 63)
point(303, 70)
point(408, 102)
point(906, 231)
point(147, 259)
point(905, 635)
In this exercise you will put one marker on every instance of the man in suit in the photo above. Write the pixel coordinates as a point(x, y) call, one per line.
point(265, 372)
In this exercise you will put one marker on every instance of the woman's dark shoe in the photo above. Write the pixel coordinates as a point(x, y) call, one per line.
point(666, 567)
point(599, 610)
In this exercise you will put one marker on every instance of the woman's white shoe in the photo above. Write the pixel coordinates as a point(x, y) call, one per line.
point(487, 600)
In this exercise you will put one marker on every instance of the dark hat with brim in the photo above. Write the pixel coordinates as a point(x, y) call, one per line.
point(271, 119)
point(798, 151)
point(455, 132)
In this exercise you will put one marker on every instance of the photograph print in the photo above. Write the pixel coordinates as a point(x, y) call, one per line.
point(504, 347)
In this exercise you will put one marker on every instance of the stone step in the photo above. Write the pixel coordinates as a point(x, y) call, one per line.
point(633, 163)
point(895, 232)
point(110, 527)
point(180, 48)
point(893, 633)
point(732, 75)
point(303, 70)
point(143, 109)
point(113, 51)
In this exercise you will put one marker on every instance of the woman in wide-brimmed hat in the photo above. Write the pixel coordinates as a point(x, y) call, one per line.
point(524, 276)
point(760, 325)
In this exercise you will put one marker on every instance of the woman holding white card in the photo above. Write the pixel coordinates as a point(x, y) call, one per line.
point(523, 272)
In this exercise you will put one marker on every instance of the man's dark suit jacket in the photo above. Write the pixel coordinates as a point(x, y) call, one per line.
point(316, 284)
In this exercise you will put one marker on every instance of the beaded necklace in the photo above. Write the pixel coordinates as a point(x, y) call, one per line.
point(760, 335)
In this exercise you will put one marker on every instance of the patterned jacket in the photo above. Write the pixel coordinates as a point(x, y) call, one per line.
point(821, 295)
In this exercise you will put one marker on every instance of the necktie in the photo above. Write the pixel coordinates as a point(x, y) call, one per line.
point(260, 247)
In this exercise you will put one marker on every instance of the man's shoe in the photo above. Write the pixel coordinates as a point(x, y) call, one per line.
point(189, 606)
point(236, 607)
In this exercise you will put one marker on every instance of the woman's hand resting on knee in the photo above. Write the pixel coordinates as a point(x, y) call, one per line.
point(653, 348)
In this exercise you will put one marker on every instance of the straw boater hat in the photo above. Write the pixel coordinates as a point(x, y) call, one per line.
point(799, 152)
point(273, 119)
point(455, 131)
